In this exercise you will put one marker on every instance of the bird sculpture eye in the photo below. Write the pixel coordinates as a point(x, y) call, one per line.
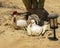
point(35, 17)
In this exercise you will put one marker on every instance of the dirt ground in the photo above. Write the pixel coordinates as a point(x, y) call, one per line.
point(10, 38)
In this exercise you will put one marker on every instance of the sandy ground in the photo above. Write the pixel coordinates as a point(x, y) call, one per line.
point(10, 38)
